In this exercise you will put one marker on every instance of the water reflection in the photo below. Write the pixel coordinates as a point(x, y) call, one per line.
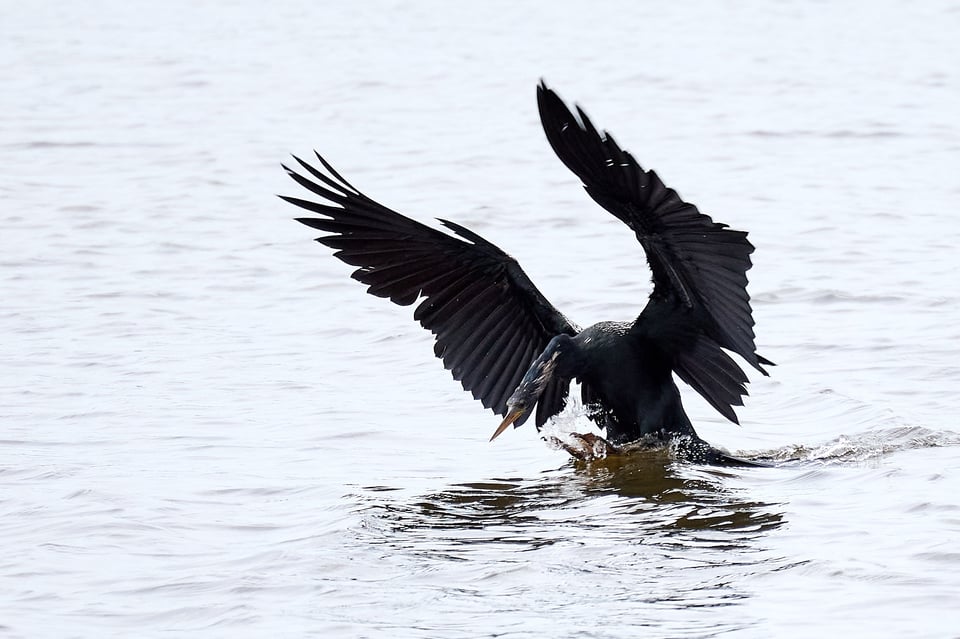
point(608, 546)
point(644, 498)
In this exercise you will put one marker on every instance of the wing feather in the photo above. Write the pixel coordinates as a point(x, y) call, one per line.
point(488, 318)
point(695, 260)
point(714, 375)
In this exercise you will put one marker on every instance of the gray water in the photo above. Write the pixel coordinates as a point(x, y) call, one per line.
point(209, 430)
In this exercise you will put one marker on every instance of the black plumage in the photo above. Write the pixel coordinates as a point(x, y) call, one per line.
point(508, 345)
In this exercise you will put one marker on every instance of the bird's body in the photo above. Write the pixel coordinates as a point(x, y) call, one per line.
point(513, 350)
point(642, 399)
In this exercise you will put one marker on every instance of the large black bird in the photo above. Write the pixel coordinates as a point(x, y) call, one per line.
point(508, 345)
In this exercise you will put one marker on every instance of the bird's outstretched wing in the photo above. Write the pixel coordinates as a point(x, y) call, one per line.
point(697, 262)
point(489, 319)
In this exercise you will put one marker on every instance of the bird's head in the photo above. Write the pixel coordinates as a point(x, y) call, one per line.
point(517, 409)
point(535, 380)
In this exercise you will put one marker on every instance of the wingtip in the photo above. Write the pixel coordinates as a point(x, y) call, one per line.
point(761, 362)
point(547, 97)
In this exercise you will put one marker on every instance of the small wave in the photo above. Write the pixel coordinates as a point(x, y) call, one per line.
point(78, 144)
point(823, 296)
point(836, 134)
point(860, 447)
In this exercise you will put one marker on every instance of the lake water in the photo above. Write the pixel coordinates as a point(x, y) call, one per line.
point(209, 430)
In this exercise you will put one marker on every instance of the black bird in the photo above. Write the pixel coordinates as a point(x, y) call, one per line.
point(508, 345)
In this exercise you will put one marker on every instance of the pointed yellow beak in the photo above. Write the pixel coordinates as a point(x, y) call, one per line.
point(511, 417)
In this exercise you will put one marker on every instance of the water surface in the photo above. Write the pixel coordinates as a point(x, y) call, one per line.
point(210, 430)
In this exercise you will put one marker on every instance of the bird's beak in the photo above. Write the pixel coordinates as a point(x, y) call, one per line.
point(511, 417)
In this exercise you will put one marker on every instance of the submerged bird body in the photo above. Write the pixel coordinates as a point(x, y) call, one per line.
point(507, 344)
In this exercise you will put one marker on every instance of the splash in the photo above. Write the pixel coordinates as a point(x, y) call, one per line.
point(566, 430)
point(573, 431)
